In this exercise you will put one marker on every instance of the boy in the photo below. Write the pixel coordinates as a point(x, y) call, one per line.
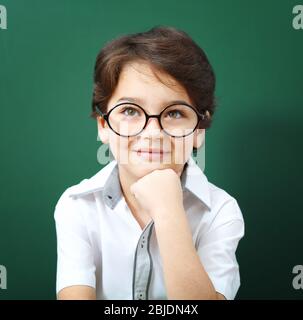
point(149, 225)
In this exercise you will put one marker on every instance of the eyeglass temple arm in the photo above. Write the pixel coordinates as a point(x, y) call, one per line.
point(102, 114)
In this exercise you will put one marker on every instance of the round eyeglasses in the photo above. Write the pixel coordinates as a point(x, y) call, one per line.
point(129, 119)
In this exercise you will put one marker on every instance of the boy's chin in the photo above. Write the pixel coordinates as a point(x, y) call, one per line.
point(142, 169)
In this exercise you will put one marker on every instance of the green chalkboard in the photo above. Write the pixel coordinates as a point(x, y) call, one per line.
point(49, 142)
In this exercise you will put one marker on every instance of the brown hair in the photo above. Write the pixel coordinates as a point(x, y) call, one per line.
point(166, 49)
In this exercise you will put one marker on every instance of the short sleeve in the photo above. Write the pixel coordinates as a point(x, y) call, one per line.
point(217, 249)
point(75, 262)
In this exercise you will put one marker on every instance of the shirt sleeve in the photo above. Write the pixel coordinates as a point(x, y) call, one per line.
point(217, 249)
point(75, 262)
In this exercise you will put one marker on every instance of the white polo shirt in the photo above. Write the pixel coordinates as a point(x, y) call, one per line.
point(100, 244)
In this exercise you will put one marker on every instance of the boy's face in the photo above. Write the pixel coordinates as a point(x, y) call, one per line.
point(138, 81)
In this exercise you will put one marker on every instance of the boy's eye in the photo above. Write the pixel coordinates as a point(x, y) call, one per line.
point(175, 114)
point(129, 111)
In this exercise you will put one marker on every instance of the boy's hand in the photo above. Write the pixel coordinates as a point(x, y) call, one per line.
point(159, 191)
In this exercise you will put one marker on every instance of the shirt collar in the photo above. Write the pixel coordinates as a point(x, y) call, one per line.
point(195, 181)
point(107, 180)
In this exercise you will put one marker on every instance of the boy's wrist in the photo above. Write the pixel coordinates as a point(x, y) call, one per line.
point(166, 213)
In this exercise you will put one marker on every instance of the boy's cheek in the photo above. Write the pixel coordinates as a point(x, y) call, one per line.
point(182, 154)
point(118, 146)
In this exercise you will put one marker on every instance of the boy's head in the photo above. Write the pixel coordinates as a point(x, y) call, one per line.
point(161, 70)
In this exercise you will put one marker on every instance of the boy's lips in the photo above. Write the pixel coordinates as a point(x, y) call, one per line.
point(151, 154)
point(151, 151)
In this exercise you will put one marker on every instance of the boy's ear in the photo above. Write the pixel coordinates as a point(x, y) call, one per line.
point(103, 130)
point(199, 137)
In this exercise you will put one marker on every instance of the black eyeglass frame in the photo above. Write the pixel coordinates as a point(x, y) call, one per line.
point(200, 117)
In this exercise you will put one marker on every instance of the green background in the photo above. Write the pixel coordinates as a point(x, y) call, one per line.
point(48, 141)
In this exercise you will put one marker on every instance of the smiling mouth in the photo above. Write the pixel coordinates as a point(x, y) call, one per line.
point(152, 155)
point(151, 152)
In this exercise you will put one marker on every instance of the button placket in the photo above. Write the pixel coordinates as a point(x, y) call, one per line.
point(142, 265)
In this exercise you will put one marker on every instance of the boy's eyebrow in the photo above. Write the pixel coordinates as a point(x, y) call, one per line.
point(141, 101)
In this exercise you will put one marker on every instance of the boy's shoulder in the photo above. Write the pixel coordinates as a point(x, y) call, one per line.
point(198, 183)
point(224, 204)
point(88, 185)
point(220, 194)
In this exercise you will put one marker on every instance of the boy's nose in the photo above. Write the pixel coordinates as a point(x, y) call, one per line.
point(152, 127)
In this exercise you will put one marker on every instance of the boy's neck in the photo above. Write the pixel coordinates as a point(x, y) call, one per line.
point(126, 180)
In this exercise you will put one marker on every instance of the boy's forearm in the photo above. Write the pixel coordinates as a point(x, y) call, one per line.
point(184, 274)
